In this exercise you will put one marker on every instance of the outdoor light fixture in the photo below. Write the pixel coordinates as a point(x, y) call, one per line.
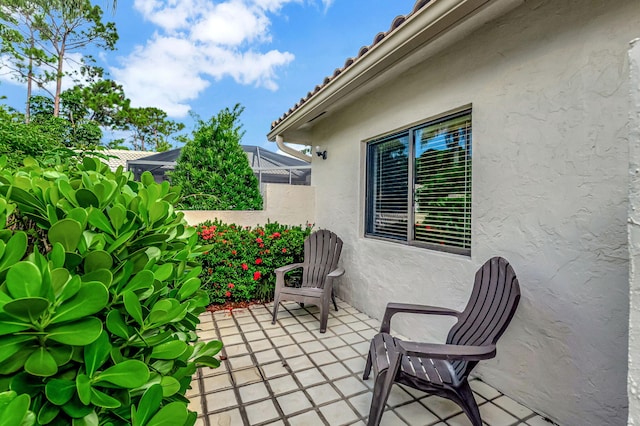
point(321, 152)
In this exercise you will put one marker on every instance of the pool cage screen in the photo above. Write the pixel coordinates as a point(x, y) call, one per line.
point(269, 167)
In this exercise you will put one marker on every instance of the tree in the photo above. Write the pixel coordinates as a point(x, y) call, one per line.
point(213, 169)
point(18, 50)
point(71, 128)
point(150, 128)
point(39, 35)
point(19, 140)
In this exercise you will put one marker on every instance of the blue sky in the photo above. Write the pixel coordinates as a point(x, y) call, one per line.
point(205, 55)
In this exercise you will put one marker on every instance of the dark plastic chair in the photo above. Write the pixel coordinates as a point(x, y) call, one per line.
point(443, 369)
point(320, 267)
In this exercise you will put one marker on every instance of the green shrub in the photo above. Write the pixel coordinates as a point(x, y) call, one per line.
point(213, 170)
point(99, 297)
point(240, 264)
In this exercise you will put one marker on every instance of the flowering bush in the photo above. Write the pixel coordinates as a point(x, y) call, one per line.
point(240, 264)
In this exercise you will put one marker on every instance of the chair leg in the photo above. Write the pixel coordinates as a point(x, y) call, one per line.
point(468, 403)
point(333, 299)
point(382, 387)
point(276, 305)
point(324, 317)
point(381, 390)
point(367, 367)
point(324, 312)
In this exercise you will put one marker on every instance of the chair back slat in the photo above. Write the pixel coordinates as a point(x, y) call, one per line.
point(321, 255)
point(494, 299)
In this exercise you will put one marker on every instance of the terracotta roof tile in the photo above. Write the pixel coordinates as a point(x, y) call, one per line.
point(397, 23)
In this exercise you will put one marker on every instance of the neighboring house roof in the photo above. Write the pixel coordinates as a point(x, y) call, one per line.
point(426, 30)
point(259, 158)
point(270, 167)
point(119, 157)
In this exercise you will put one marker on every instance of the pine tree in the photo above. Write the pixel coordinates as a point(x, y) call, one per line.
point(213, 169)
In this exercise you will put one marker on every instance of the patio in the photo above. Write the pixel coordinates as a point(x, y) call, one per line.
point(290, 374)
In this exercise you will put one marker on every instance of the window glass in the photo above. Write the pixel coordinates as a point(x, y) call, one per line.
point(387, 187)
point(425, 201)
point(442, 183)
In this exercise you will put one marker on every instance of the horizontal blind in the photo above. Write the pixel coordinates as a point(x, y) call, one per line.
point(387, 187)
point(442, 183)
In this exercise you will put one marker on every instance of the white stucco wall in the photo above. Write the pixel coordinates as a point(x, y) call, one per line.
point(286, 204)
point(634, 235)
point(549, 87)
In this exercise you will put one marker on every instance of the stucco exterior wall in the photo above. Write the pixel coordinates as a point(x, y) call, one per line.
point(286, 204)
point(634, 235)
point(549, 87)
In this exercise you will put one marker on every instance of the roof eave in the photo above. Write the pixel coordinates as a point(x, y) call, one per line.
point(420, 30)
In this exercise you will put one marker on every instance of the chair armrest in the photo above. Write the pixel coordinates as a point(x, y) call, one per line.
point(395, 308)
point(448, 352)
point(288, 268)
point(336, 273)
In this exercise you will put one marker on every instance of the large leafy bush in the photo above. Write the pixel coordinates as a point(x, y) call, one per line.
point(240, 264)
point(99, 298)
point(42, 140)
point(213, 169)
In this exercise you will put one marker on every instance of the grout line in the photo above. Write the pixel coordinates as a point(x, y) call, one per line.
point(272, 396)
point(296, 314)
point(328, 379)
point(201, 394)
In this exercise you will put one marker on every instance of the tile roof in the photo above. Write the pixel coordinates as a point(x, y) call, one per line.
point(119, 157)
point(397, 23)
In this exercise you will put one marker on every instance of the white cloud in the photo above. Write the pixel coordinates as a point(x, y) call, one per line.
point(231, 24)
point(171, 15)
point(327, 4)
point(164, 74)
point(198, 41)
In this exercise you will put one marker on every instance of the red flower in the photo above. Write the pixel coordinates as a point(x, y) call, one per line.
point(228, 294)
point(256, 275)
point(230, 285)
point(284, 250)
point(245, 266)
point(258, 240)
point(267, 251)
point(258, 261)
point(275, 235)
point(261, 245)
point(233, 252)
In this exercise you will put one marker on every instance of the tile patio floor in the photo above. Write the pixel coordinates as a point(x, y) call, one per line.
point(290, 374)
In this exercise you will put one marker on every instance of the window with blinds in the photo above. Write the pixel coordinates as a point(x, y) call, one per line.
point(419, 185)
point(388, 193)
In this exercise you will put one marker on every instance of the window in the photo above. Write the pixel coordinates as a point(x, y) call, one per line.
point(419, 185)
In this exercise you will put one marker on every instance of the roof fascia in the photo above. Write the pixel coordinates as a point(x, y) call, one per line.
point(420, 29)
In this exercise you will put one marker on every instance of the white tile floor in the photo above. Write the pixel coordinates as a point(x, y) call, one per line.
point(291, 374)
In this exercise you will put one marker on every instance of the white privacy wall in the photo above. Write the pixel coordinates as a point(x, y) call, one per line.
point(549, 87)
point(286, 204)
point(634, 235)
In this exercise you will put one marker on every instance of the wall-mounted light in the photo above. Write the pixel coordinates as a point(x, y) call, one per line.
point(320, 152)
